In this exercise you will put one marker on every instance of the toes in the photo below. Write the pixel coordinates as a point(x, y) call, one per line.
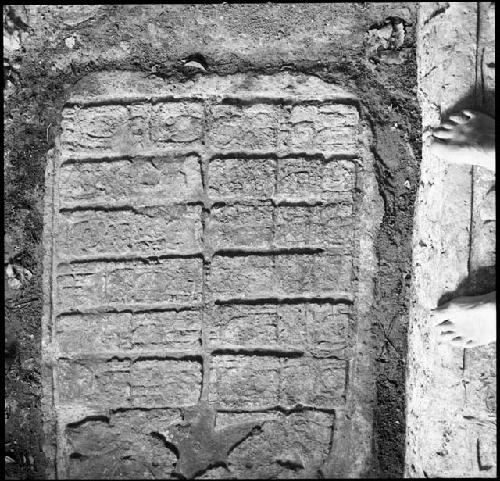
point(443, 133)
point(450, 334)
point(458, 341)
point(469, 113)
point(447, 125)
point(446, 322)
point(459, 118)
point(447, 336)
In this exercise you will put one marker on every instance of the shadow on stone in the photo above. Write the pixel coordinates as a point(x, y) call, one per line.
point(472, 100)
point(480, 281)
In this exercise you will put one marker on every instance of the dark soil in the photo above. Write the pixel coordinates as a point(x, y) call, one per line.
point(33, 103)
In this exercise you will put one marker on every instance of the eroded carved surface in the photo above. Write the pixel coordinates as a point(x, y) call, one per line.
point(208, 245)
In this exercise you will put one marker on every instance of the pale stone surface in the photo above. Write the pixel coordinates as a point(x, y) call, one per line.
point(112, 332)
point(451, 405)
point(211, 247)
point(280, 275)
point(290, 446)
point(314, 328)
point(84, 285)
point(121, 446)
point(143, 231)
point(167, 179)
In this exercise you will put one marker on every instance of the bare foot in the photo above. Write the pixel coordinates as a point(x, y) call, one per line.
point(467, 321)
point(466, 138)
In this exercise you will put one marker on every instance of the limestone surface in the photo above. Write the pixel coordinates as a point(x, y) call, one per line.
point(451, 392)
point(207, 246)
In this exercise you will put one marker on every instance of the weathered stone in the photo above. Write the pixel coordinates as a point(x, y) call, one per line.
point(200, 445)
point(116, 129)
point(240, 226)
point(316, 382)
point(243, 179)
point(290, 446)
point(265, 381)
point(174, 205)
point(244, 128)
point(147, 231)
point(245, 382)
point(317, 328)
point(165, 383)
point(313, 180)
point(323, 128)
point(319, 226)
point(124, 383)
point(169, 330)
point(121, 446)
point(131, 182)
point(259, 226)
point(94, 284)
point(281, 275)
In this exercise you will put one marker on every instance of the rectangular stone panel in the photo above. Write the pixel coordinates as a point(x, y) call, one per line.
point(280, 275)
point(244, 127)
point(318, 274)
point(111, 332)
point(315, 180)
point(165, 383)
point(244, 382)
point(175, 123)
point(143, 231)
point(90, 382)
point(240, 226)
point(251, 382)
point(241, 178)
point(132, 182)
point(87, 285)
point(321, 226)
point(98, 129)
point(241, 276)
point(263, 225)
point(317, 382)
point(116, 129)
point(123, 382)
point(321, 329)
point(321, 128)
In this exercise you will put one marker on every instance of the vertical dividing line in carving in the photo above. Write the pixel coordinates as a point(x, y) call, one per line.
point(478, 33)
point(206, 355)
point(471, 220)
